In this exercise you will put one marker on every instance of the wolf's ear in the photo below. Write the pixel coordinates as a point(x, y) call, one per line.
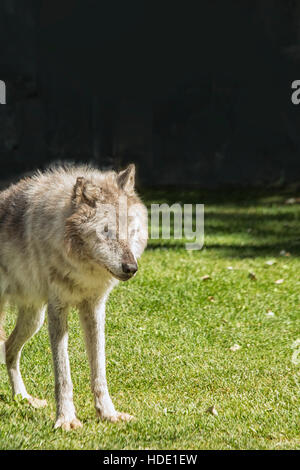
point(85, 191)
point(126, 179)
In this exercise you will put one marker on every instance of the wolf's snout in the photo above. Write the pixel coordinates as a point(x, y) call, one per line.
point(129, 268)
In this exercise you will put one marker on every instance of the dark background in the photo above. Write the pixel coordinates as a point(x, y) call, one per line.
point(195, 93)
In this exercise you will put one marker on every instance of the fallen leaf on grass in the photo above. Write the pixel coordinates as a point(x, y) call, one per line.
point(212, 410)
point(270, 313)
point(270, 262)
point(205, 278)
point(252, 276)
point(292, 200)
point(235, 347)
point(211, 298)
point(284, 253)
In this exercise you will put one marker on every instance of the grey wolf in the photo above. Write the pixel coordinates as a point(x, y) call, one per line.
point(60, 246)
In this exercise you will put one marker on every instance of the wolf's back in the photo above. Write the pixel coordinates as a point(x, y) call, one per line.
point(32, 224)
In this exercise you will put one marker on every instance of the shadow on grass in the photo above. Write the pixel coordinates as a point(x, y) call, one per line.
point(238, 224)
point(4, 398)
point(236, 251)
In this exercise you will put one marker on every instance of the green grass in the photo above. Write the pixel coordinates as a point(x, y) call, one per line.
point(168, 343)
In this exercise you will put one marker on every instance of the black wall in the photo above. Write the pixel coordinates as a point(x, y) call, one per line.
point(193, 92)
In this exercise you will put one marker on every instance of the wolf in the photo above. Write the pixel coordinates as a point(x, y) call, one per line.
point(65, 240)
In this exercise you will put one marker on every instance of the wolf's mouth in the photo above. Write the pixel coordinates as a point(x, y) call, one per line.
point(120, 278)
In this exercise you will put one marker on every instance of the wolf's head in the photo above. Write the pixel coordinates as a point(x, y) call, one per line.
point(108, 224)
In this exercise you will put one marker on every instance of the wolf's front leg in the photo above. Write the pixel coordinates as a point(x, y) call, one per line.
point(92, 318)
point(58, 331)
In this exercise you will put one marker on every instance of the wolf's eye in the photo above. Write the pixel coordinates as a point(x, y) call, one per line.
point(109, 234)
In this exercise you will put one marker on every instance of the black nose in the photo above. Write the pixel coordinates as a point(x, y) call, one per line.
point(129, 268)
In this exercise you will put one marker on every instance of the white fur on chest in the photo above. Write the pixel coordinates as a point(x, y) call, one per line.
point(82, 284)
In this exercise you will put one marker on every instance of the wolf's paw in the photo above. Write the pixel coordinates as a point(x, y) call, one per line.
point(36, 402)
point(117, 416)
point(67, 425)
